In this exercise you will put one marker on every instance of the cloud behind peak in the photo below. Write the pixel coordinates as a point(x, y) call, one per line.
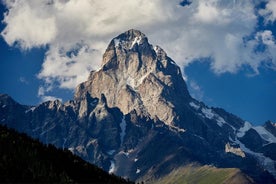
point(222, 30)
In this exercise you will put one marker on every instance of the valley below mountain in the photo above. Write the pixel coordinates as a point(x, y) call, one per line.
point(134, 117)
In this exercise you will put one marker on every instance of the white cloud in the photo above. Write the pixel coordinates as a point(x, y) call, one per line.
point(207, 12)
point(42, 90)
point(68, 66)
point(27, 25)
point(269, 12)
point(217, 33)
point(267, 39)
point(196, 90)
point(78, 31)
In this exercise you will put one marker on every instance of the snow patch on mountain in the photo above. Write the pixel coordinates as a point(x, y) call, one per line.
point(112, 167)
point(244, 129)
point(135, 82)
point(266, 162)
point(220, 121)
point(91, 142)
point(138, 171)
point(193, 105)
point(117, 42)
point(176, 129)
point(46, 130)
point(110, 152)
point(266, 135)
point(208, 113)
point(136, 40)
point(30, 110)
point(140, 81)
point(131, 82)
point(123, 130)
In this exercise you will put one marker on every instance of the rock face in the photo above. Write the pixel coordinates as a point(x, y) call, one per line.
point(134, 117)
point(138, 77)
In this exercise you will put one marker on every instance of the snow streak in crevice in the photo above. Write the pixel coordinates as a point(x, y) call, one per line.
point(123, 130)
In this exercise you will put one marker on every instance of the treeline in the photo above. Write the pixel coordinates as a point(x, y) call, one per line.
point(23, 159)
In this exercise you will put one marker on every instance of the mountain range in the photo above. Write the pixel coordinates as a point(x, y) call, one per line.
point(134, 117)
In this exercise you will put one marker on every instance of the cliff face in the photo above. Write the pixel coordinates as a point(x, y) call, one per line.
point(137, 76)
point(134, 117)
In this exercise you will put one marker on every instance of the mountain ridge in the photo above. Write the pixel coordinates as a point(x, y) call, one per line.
point(136, 111)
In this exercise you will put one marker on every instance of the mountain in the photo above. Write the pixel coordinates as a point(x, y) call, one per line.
point(135, 117)
point(23, 159)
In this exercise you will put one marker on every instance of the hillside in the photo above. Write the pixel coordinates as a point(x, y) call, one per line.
point(23, 159)
point(204, 175)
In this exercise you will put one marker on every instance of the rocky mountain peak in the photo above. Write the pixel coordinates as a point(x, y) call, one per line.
point(129, 40)
point(134, 117)
point(137, 76)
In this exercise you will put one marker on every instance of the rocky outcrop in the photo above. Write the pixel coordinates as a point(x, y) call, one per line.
point(138, 76)
point(236, 151)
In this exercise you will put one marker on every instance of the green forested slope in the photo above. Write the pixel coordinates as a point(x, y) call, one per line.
point(23, 159)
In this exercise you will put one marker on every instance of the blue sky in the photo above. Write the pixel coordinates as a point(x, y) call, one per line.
point(226, 48)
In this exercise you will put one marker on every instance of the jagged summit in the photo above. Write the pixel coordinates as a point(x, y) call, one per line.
point(135, 40)
point(137, 76)
point(131, 40)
